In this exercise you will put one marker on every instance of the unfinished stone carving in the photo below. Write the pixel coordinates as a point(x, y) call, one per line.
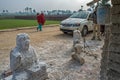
point(76, 55)
point(23, 61)
point(77, 38)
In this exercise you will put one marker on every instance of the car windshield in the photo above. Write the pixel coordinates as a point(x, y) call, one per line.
point(81, 14)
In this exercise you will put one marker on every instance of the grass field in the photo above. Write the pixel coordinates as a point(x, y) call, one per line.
point(17, 23)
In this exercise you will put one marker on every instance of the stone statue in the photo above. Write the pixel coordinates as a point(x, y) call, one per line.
point(76, 36)
point(23, 61)
point(76, 55)
point(77, 48)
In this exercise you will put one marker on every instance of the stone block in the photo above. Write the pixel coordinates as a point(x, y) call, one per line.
point(105, 53)
point(113, 75)
point(115, 28)
point(115, 18)
point(115, 9)
point(104, 62)
point(114, 66)
point(114, 57)
point(115, 38)
point(114, 47)
point(115, 2)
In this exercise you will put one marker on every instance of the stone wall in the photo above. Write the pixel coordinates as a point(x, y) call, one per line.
point(114, 47)
point(105, 54)
point(110, 63)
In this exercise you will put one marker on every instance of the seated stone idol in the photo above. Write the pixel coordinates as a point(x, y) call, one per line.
point(23, 61)
point(76, 55)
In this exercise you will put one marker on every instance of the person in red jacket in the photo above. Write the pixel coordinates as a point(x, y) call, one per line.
point(40, 20)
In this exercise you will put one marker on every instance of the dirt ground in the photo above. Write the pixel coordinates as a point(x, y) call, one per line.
point(55, 48)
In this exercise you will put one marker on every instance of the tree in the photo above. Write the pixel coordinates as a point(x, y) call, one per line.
point(3, 11)
point(6, 11)
point(34, 11)
point(30, 10)
point(26, 9)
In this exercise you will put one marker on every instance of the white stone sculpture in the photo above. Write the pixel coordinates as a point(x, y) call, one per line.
point(23, 61)
point(77, 46)
point(77, 37)
point(76, 55)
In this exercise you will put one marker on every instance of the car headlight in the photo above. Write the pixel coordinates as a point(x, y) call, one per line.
point(77, 24)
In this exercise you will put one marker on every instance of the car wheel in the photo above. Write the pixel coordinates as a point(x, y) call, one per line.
point(84, 31)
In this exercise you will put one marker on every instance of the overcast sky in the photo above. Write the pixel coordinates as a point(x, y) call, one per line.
point(38, 5)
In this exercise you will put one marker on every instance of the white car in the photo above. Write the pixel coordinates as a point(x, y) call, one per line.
point(81, 20)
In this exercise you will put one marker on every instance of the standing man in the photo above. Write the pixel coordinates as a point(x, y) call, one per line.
point(96, 26)
point(40, 20)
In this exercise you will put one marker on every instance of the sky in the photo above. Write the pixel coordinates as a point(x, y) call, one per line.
point(40, 5)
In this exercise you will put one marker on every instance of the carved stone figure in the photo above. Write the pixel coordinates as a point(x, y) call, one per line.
point(76, 37)
point(76, 55)
point(23, 61)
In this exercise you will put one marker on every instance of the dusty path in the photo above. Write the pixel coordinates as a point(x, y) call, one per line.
point(54, 48)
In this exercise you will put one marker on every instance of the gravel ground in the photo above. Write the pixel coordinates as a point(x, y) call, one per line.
point(55, 48)
point(60, 65)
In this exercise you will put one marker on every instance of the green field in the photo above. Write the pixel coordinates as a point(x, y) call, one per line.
point(17, 23)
